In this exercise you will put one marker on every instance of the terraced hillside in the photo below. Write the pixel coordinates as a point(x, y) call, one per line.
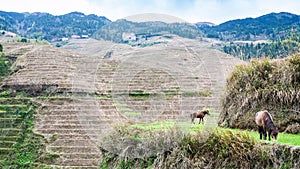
point(10, 119)
point(85, 90)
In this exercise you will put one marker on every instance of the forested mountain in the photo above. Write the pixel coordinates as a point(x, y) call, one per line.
point(280, 31)
point(272, 26)
point(113, 31)
point(49, 27)
point(279, 48)
point(267, 27)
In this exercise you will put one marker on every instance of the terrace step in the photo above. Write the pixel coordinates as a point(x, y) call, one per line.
point(77, 122)
point(10, 131)
point(77, 116)
point(6, 114)
point(74, 166)
point(68, 131)
point(73, 143)
point(74, 149)
point(75, 136)
point(80, 155)
point(5, 150)
point(77, 162)
point(7, 143)
point(9, 138)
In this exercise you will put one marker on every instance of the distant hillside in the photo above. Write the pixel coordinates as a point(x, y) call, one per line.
point(279, 48)
point(270, 26)
point(49, 27)
point(114, 30)
point(274, 27)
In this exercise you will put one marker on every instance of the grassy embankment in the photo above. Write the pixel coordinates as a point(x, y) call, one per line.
point(272, 85)
point(283, 138)
point(166, 145)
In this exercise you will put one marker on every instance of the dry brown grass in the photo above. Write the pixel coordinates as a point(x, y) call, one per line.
point(219, 149)
point(263, 84)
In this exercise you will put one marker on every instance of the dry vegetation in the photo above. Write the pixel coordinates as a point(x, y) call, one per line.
point(266, 84)
point(218, 149)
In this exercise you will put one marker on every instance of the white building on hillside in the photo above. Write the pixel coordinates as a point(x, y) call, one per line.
point(128, 37)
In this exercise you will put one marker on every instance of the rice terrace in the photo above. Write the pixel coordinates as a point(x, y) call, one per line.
point(150, 94)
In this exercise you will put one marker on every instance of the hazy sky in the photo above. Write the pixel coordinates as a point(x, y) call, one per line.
point(216, 11)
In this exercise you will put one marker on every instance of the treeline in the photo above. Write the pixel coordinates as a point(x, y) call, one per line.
point(271, 26)
point(273, 49)
point(113, 31)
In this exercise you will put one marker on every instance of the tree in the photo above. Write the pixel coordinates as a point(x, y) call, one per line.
point(24, 40)
point(1, 48)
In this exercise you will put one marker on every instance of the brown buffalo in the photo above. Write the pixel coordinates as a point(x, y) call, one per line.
point(200, 115)
point(265, 124)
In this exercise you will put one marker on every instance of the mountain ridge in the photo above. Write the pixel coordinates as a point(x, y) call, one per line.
point(270, 26)
point(40, 25)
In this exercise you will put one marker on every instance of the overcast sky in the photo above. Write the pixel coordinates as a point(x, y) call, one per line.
point(216, 11)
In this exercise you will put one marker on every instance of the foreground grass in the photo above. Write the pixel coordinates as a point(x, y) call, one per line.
point(283, 138)
point(166, 145)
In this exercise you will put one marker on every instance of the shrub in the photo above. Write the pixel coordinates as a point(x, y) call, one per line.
point(265, 84)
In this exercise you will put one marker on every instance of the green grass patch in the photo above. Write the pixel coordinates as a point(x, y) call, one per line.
point(290, 139)
point(139, 95)
point(26, 147)
point(221, 148)
point(119, 104)
point(125, 109)
point(3, 106)
point(5, 93)
point(171, 124)
point(283, 138)
point(203, 93)
point(175, 91)
point(133, 114)
point(154, 126)
point(5, 64)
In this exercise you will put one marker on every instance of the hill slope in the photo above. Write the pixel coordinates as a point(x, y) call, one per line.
point(114, 31)
point(83, 96)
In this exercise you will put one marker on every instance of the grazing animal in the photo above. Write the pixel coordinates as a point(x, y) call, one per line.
point(265, 124)
point(200, 115)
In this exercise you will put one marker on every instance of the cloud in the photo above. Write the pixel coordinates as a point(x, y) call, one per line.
point(219, 11)
point(56, 7)
point(216, 11)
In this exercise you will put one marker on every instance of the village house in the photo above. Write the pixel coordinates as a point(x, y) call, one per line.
point(128, 37)
point(84, 36)
point(75, 37)
point(64, 39)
